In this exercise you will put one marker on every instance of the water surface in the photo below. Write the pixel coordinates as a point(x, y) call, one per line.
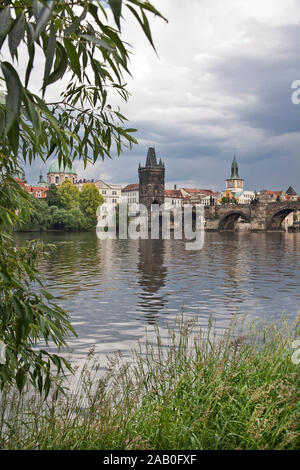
point(114, 289)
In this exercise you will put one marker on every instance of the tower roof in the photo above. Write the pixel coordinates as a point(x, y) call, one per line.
point(151, 157)
point(235, 168)
point(291, 191)
point(56, 168)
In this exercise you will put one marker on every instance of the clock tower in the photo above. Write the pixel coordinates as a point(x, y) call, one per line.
point(235, 184)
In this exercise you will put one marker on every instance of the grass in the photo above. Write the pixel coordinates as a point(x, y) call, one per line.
point(198, 391)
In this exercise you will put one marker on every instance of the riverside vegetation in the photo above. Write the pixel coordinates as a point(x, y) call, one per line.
point(64, 208)
point(198, 390)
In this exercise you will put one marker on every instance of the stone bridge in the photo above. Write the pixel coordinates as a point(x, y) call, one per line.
point(257, 217)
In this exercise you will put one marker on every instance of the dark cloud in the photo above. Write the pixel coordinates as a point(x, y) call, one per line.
point(199, 104)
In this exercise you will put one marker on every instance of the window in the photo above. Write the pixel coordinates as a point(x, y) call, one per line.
point(56, 179)
point(114, 193)
point(103, 191)
point(114, 200)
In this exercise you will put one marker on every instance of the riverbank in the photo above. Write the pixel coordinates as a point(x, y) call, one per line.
point(198, 391)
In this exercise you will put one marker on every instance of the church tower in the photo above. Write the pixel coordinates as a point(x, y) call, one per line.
point(152, 181)
point(235, 184)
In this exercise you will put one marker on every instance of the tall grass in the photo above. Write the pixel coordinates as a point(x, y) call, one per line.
point(199, 391)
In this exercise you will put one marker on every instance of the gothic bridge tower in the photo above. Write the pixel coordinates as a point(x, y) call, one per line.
point(152, 181)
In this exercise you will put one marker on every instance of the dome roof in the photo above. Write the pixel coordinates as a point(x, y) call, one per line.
point(56, 168)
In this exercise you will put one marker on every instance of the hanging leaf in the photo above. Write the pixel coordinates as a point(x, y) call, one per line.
point(74, 26)
point(144, 24)
point(97, 41)
point(61, 67)
point(16, 35)
point(50, 52)
point(73, 57)
point(116, 6)
point(13, 96)
point(31, 51)
point(42, 13)
point(5, 20)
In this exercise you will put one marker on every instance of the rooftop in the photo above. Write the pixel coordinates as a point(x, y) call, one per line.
point(55, 167)
point(131, 187)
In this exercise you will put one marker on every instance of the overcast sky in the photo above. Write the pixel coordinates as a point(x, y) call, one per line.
point(221, 83)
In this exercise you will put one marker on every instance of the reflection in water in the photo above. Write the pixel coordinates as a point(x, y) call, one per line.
point(113, 289)
point(153, 275)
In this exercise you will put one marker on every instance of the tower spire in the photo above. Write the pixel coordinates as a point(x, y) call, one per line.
point(234, 168)
point(151, 157)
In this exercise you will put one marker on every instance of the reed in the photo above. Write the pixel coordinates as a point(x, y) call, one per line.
point(197, 390)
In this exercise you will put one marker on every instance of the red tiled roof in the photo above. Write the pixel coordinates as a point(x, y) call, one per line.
point(198, 191)
point(131, 187)
point(277, 193)
point(175, 193)
point(33, 189)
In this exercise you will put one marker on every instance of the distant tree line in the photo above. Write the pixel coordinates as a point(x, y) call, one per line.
point(64, 208)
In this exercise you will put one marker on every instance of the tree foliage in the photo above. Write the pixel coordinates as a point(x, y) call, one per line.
point(77, 43)
point(68, 195)
point(89, 201)
point(28, 311)
point(52, 197)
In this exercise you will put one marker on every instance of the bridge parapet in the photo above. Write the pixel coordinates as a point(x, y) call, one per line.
point(259, 217)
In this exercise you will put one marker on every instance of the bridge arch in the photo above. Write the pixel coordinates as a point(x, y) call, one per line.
point(230, 219)
point(275, 220)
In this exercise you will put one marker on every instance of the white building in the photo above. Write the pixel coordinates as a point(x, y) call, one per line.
point(111, 194)
point(205, 197)
point(173, 198)
point(130, 195)
point(246, 197)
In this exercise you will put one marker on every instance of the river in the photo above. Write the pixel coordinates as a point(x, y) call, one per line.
point(115, 289)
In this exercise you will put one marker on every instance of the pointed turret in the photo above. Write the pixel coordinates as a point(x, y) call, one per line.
point(235, 184)
point(151, 158)
point(291, 191)
point(234, 168)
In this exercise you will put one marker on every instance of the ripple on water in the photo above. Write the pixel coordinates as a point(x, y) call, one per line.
point(113, 289)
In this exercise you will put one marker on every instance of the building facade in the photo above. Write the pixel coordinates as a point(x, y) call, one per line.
point(246, 197)
point(111, 193)
point(173, 198)
point(130, 194)
point(38, 190)
point(205, 197)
